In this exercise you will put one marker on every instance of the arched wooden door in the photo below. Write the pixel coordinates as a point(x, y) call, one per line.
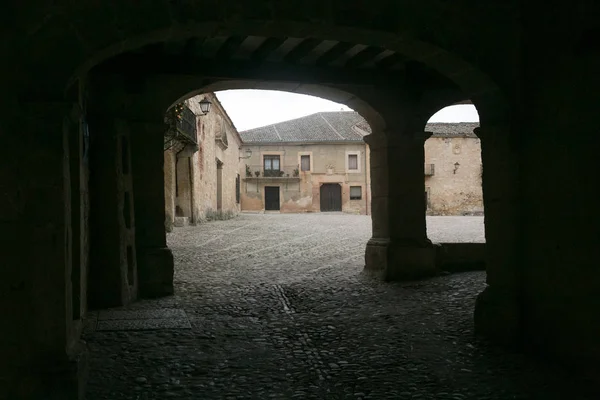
point(331, 197)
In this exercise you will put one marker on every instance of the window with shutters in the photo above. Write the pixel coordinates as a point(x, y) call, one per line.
point(352, 161)
point(272, 165)
point(355, 192)
point(305, 163)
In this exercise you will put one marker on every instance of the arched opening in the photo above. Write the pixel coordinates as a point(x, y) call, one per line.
point(272, 177)
point(541, 224)
point(239, 250)
point(453, 188)
point(386, 71)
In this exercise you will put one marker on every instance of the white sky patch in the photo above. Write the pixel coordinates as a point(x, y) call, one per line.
point(249, 108)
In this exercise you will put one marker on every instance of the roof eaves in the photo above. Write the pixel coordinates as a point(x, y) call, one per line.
point(301, 143)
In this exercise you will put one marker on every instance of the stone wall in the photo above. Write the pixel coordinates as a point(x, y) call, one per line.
point(455, 186)
point(302, 193)
point(191, 182)
point(559, 217)
point(218, 140)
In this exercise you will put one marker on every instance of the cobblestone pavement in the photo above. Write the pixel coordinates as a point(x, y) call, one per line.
point(279, 308)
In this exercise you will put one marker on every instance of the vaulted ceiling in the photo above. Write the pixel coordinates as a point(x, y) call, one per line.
point(275, 58)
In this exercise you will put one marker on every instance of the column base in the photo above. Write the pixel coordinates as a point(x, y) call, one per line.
point(396, 263)
point(497, 316)
point(155, 272)
point(48, 380)
point(376, 255)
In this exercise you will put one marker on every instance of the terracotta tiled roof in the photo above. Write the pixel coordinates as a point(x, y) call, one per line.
point(339, 126)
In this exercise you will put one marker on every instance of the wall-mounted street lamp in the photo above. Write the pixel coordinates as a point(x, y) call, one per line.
point(456, 165)
point(205, 105)
point(248, 155)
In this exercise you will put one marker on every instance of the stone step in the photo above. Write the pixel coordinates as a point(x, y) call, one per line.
point(181, 222)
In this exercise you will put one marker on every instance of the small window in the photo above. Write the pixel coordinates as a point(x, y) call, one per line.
point(352, 161)
point(305, 163)
point(355, 192)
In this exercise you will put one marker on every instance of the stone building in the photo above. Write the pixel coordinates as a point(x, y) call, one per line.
point(201, 172)
point(309, 164)
point(453, 169)
point(321, 163)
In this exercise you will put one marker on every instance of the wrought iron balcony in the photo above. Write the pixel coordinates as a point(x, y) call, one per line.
point(259, 171)
point(429, 169)
point(182, 127)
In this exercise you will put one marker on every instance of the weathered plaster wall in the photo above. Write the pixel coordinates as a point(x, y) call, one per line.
point(302, 194)
point(191, 182)
point(204, 174)
point(454, 189)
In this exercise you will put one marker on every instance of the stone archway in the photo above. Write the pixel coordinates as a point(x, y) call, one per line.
point(358, 35)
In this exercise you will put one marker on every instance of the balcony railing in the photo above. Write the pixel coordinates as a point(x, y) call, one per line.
point(259, 171)
point(429, 169)
point(182, 127)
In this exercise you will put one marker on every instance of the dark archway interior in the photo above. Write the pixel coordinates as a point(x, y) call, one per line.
point(83, 102)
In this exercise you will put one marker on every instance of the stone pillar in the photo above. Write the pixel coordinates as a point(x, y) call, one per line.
point(169, 172)
point(112, 275)
point(497, 310)
point(399, 248)
point(155, 260)
point(42, 356)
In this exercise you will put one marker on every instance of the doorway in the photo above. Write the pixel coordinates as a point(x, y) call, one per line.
point(271, 198)
point(219, 185)
point(331, 197)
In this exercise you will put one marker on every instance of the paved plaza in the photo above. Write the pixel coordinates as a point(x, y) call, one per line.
point(277, 306)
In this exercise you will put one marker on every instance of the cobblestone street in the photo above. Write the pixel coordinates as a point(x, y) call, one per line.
point(271, 306)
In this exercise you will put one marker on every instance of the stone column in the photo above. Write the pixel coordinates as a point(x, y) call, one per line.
point(169, 172)
point(497, 310)
point(154, 258)
point(112, 275)
point(42, 356)
point(399, 248)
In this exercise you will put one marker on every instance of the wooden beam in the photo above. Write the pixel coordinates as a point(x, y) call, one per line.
point(363, 56)
point(245, 70)
point(390, 61)
point(302, 49)
point(266, 48)
point(228, 49)
point(333, 53)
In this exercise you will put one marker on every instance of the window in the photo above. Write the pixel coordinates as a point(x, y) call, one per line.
point(352, 161)
point(237, 189)
point(271, 166)
point(355, 192)
point(304, 163)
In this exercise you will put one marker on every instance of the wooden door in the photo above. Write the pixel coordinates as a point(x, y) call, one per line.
point(331, 197)
point(272, 198)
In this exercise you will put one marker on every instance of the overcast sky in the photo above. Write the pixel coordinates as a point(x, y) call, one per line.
point(253, 108)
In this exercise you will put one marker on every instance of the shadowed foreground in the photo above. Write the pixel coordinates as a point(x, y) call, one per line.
point(277, 306)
